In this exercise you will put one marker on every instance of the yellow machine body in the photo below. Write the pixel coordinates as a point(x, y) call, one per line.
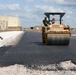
point(56, 34)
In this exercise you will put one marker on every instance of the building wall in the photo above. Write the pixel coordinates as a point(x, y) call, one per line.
point(3, 18)
point(13, 22)
point(3, 25)
point(9, 23)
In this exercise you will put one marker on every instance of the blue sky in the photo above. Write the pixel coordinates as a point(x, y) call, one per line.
point(31, 12)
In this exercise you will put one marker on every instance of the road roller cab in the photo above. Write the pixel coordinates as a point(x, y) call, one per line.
point(55, 33)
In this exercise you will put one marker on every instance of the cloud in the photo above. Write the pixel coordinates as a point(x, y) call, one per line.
point(30, 0)
point(62, 2)
point(28, 12)
point(46, 8)
point(74, 18)
point(67, 16)
point(9, 7)
point(28, 9)
point(36, 15)
point(69, 12)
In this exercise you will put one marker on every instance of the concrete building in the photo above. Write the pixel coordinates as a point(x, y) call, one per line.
point(9, 23)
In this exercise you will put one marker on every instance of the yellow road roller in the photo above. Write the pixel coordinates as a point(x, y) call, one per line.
point(54, 32)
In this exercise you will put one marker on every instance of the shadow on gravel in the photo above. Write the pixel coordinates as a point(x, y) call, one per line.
point(32, 53)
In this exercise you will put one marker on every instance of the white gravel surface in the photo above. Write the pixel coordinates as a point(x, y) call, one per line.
point(8, 36)
point(68, 68)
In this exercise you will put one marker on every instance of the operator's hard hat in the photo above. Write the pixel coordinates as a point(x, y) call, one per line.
point(53, 19)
